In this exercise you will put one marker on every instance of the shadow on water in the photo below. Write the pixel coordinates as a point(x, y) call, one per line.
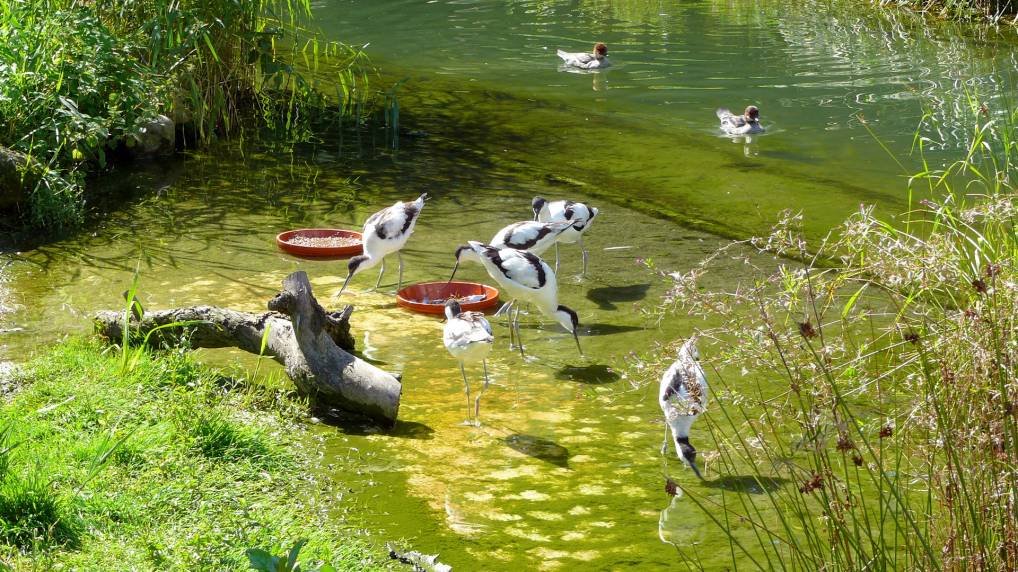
point(607, 296)
point(596, 374)
point(539, 448)
point(352, 424)
point(747, 484)
point(607, 329)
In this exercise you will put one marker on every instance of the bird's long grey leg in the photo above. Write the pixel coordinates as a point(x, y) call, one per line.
point(503, 308)
point(583, 251)
point(556, 259)
point(467, 386)
point(477, 402)
point(508, 307)
point(399, 282)
point(664, 444)
point(380, 272)
point(519, 338)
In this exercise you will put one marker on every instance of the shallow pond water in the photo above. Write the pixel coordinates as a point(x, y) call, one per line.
point(564, 473)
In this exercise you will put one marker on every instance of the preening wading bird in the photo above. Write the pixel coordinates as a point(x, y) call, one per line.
point(683, 398)
point(468, 338)
point(523, 277)
point(385, 232)
point(596, 59)
point(745, 124)
point(579, 215)
point(532, 236)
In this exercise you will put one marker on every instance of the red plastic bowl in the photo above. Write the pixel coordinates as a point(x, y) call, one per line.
point(283, 238)
point(412, 297)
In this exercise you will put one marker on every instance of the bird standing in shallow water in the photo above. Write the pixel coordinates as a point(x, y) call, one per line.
point(385, 232)
point(579, 215)
point(523, 277)
point(530, 235)
point(468, 338)
point(596, 59)
point(745, 124)
point(683, 398)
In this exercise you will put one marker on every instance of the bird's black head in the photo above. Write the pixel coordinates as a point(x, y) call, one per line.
point(537, 204)
point(355, 263)
point(452, 307)
point(752, 113)
point(687, 453)
point(572, 316)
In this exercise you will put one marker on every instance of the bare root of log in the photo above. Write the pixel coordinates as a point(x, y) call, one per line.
point(309, 342)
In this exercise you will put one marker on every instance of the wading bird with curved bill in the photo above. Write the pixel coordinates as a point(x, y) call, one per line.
point(385, 232)
point(468, 338)
point(524, 278)
point(530, 235)
point(683, 398)
point(579, 215)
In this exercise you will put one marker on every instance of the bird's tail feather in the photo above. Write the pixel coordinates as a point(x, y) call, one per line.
point(562, 54)
point(722, 112)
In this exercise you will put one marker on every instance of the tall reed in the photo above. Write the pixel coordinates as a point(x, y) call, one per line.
point(883, 373)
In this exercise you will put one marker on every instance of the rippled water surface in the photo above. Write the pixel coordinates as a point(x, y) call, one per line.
point(565, 472)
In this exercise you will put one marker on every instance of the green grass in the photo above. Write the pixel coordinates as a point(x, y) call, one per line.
point(164, 466)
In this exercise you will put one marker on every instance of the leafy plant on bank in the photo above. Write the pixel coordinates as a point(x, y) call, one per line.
point(79, 79)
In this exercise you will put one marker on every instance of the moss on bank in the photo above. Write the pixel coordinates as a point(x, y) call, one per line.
point(167, 466)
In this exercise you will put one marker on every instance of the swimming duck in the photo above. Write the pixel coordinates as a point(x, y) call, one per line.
point(588, 61)
point(748, 122)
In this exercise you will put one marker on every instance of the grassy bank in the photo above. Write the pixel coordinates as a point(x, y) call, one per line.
point(159, 465)
point(80, 81)
point(893, 443)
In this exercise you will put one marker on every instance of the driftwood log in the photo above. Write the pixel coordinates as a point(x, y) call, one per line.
point(310, 343)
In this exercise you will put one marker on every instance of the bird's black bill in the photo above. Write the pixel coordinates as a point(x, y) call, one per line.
point(347, 281)
point(454, 269)
point(696, 470)
point(577, 338)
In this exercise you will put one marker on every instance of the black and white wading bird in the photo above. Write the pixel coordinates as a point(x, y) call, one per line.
point(530, 235)
point(683, 398)
point(579, 215)
point(468, 338)
point(385, 232)
point(524, 278)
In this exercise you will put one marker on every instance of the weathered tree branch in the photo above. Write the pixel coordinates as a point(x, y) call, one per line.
point(310, 343)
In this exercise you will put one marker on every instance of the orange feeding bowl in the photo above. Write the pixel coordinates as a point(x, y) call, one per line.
point(315, 242)
point(430, 297)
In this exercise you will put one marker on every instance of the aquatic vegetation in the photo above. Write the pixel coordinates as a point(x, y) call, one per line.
point(894, 427)
point(79, 81)
point(163, 466)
